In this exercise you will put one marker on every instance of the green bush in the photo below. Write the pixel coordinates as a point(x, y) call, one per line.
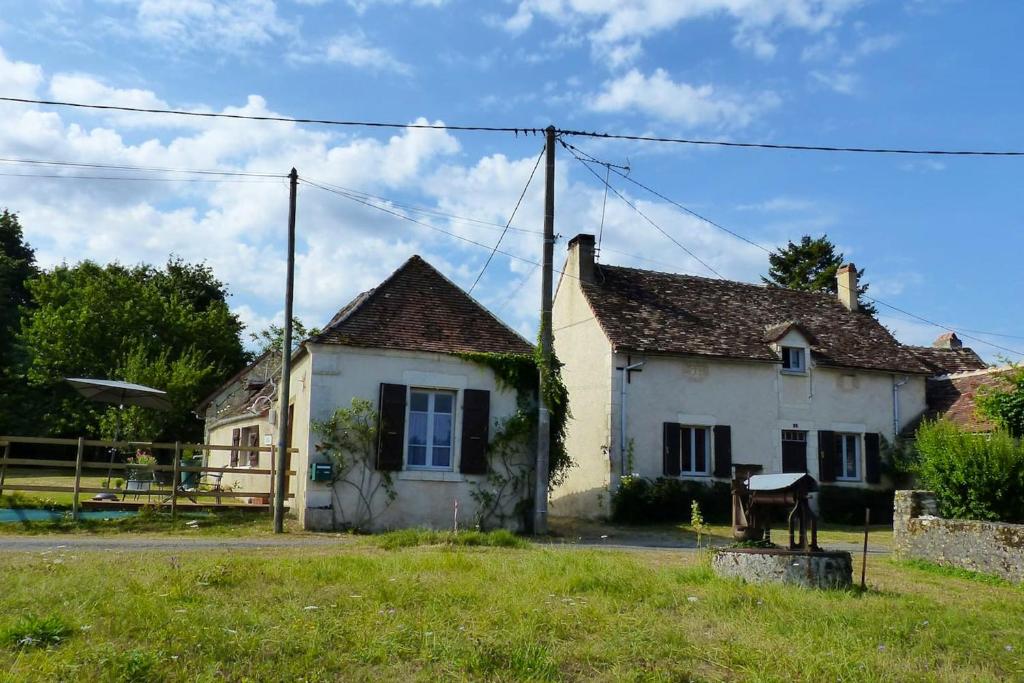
point(33, 631)
point(642, 501)
point(973, 476)
point(845, 505)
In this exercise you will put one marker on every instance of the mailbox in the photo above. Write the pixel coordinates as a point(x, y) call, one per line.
point(321, 471)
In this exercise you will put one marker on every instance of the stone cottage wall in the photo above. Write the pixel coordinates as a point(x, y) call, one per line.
point(989, 547)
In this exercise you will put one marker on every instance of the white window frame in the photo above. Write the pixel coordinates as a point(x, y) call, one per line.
point(801, 353)
point(843, 456)
point(431, 392)
point(691, 450)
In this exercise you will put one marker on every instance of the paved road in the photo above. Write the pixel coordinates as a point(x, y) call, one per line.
point(133, 543)
point(177, 543)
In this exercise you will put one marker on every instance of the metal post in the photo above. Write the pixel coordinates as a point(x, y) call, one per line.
point(175, 476)
point(864, 556)
point(286, 361)
point(78, 477)
point(3, 465)
point(540, 511)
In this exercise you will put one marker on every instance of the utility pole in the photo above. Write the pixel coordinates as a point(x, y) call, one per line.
point(286, 364)
point(540, 510)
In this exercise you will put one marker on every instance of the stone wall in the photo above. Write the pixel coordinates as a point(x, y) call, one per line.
point(989, 547)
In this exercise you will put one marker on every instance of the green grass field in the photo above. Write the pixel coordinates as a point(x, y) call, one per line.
point(385, 608)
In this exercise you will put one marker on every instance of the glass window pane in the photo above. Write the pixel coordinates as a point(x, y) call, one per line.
point(442, 430)
point(418, 455)
point(419, 401)
point(851, 456)
point(417, 429)
point(700, 450)
point(442, 457)
point(443, 403)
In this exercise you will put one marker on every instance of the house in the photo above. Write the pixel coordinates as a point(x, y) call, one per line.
point(680, 376)
point(416, 348)
point(947, 355)
point(952, 397)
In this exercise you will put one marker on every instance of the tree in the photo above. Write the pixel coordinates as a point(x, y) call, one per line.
point(17, 266)
point(271, 337)
point(1004, 404)
point(168, 327)
point(811, 266)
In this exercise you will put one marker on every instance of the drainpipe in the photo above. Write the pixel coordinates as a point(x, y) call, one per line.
point(896, 405)
point(622, 414)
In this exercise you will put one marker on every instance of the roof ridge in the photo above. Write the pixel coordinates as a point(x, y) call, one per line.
point(972, 373)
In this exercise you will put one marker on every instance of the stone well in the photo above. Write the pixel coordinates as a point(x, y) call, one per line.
point(821, 569)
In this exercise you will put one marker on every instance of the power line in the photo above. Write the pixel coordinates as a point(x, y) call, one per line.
point(613, 167)
point(124, 167)
point(633, 206)
point(941, 326)
point(510, 219)
point(68, 176)
point(515, 290)
point(397, 214)
point(798, 148)
point(279, 119)
point(525, 130)
point(428, 211)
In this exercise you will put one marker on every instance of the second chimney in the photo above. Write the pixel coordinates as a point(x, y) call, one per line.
point(581, 257)
point(846, 279)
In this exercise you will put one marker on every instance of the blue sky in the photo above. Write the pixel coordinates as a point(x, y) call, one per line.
point(940, 237)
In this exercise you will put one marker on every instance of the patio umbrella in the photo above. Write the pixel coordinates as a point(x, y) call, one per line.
point(120, 394)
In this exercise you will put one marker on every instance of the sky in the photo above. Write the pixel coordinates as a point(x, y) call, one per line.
point(938, 237)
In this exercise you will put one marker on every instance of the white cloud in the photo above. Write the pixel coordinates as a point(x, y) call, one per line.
point(659, 96)
point(225, 25)
point(615, 21)
point(842, 82)
point(779, 205)
point(19, 79)
point(355, 50)
point(361, 6)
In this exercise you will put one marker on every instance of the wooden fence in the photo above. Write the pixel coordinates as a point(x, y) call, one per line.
point(169, 496)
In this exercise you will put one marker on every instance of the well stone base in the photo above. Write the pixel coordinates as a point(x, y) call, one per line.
point(773, 565)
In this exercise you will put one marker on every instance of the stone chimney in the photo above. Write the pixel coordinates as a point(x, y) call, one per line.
point(846, 279)
point(581, 257)
point(948, 340)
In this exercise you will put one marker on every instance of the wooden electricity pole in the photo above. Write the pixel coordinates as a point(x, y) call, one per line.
point(540, 511)
point(286, 365)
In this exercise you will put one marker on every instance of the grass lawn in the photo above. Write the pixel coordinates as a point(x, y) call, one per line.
point(380, 608)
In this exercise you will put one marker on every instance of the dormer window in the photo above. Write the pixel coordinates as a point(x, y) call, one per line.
point(793, 359)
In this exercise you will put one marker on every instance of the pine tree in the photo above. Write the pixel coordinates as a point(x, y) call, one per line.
point(811, 266)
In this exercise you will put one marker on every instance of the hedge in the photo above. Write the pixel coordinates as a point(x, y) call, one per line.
point(642, 501)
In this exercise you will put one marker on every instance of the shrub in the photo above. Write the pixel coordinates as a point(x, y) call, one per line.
point(642, 501)
point(33, 631)
point(973, 476)
point(845, 505)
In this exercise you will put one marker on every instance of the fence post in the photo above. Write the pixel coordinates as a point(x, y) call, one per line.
point(78, 476)
point(273, 463)
point(3, 465)
point(175, 475)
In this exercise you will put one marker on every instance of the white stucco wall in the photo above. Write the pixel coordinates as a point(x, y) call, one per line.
point(424, 499)
point(587, 371)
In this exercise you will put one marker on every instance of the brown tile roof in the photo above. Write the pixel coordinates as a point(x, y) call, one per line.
point(952, 398)
point(419, 309)
point(642, 310)
point(943, 361)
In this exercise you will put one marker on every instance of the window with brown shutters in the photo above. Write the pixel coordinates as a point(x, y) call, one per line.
point(236, 440)
point(826, 456)
point(686, 450)
point(476, 417)
point(254, 442)
point(391, 427)
point(723, 451)
point(872, 458)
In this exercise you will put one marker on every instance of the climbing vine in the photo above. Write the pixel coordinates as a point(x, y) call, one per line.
point(508, 476)
point(349, 439)
point(521, 372)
